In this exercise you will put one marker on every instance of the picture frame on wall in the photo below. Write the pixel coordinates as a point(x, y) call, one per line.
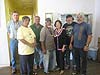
point(49, 15)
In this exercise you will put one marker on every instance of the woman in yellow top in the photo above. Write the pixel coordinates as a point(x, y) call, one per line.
point(26, 44)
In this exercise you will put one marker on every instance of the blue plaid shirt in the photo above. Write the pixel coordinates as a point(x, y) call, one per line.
point(12, 28)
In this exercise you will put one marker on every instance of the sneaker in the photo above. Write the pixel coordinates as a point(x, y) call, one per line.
point(61, 72)
point(57, 69)
point(74, 73)
point(83, 74)
point(34, 73)
point(46, 73)
point(14, 70)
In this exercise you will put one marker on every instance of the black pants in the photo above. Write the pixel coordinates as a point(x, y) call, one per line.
point(81, 60)
point(60, 59)
point(26, 64)
point(67, 53)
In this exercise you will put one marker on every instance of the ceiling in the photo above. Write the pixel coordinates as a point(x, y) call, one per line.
point(23, 6)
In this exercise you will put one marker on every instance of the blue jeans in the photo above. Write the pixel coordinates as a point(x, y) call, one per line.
point(38, 56)
point(49, 60)
point(13, 47)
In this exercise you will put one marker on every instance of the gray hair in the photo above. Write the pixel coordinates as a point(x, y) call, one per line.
point(81, 14)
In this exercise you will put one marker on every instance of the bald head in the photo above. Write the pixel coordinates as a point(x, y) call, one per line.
point(80, 17)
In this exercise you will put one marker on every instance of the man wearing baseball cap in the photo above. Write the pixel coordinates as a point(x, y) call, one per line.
point(48, 46)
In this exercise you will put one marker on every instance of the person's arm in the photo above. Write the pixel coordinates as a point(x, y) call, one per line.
point(43, 47)
point(8, 29)
point(63, 48)
point(42, 40)
point(71, 42)
point(89, 38)
point(20, 37)
point(64, 40)
point(27, 43)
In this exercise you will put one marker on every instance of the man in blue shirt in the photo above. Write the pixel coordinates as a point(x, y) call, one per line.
point(82, 36)
point(12, 28)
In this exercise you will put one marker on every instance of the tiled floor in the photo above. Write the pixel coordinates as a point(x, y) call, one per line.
point(93, 69)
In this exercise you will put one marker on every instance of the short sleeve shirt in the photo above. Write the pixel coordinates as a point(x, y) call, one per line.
point(47, 38)
point(12, 28)
point(80, 33)
point(28, 35)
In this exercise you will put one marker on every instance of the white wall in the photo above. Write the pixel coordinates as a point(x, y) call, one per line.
point(66, 7)
point(4, 52)
point(97, 22)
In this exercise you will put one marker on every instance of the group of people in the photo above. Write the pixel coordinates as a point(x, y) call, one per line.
point(47, 46)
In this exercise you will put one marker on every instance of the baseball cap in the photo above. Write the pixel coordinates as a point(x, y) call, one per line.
point(48, 19)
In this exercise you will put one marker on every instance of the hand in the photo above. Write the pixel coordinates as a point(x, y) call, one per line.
point(86, 48)
point(70, 46)
point(63, 49)
point(44, 51)
point(32, 45)
point(9, 35)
